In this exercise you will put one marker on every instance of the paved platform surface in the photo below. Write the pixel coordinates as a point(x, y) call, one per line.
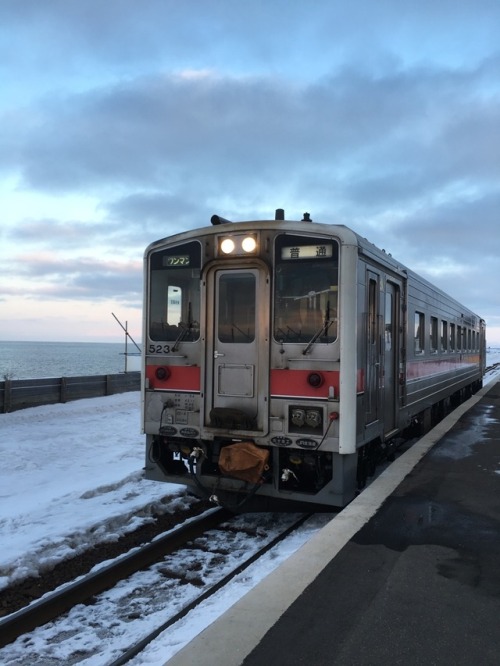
point(408, 574)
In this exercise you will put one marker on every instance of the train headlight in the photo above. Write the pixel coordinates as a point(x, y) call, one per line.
point(227, 246)
point(249, 244)
point(238, 244)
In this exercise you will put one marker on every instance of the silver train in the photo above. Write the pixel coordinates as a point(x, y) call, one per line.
point(282, 359)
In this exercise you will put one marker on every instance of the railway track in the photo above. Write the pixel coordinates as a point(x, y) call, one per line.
point(29, 589)
point(137, 648)
point(51, 606)
point(216, 522)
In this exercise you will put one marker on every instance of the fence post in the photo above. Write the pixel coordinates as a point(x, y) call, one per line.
point(7, 396)
point(64, 390)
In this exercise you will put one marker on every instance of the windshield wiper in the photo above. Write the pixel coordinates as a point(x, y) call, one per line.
point(311, 294)
point(184, 330)
point(322, 331)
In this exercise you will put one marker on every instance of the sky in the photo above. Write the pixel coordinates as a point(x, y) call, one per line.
point(122, 122)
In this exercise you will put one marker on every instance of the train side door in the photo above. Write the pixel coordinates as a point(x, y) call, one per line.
point(391, 344)
point(382, 350)
point(373, 352)
point(237, 350)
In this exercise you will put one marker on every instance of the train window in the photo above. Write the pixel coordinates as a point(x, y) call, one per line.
point(469, 339)
point(444, 335)
point(433, 335)
point(388, 321)
point(306, 289)
point(419, 344)
point(452, 337)
point(236, 308)
point(372, 311)
point(174, 299)
point(459, 338)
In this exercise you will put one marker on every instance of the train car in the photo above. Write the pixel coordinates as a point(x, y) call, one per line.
point(282, 358)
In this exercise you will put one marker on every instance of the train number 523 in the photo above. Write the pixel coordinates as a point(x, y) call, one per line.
point(159, 349)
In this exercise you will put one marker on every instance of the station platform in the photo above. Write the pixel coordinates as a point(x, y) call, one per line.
point(408, 573)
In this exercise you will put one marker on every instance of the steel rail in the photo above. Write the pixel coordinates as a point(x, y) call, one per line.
point(138, 647)
point(56, 603)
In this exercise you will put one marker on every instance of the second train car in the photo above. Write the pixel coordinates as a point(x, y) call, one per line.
point(282, 357)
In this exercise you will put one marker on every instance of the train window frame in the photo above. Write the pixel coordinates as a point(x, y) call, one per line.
point(306, 298)
point(452, 337)
point(433, 335)
point(236, 307)
point(444, 336)
point(419, 333)
point(176, 266)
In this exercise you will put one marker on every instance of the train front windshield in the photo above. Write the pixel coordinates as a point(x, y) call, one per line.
point(174, 304)
point(305, 293)
point(306, 289)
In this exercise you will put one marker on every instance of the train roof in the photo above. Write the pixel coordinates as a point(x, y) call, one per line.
point(345, 235)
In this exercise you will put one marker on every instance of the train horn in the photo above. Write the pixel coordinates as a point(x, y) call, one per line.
point(217, 219)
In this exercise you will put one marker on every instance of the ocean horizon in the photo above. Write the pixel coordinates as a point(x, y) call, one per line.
point(37, 360)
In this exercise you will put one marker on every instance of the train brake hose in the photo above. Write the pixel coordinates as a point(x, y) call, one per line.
point(196, 454)
point(331, 420)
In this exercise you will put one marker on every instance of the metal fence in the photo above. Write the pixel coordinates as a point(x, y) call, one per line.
point(21, 393)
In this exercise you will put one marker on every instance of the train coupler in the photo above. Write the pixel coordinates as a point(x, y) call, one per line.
point(286, 474)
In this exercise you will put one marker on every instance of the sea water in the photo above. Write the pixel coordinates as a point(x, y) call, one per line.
point(34, 360)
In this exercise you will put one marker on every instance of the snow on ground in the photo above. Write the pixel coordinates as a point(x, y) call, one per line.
point(71, 476)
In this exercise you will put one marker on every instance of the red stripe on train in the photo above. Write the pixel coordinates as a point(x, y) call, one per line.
point(428, 367)
point(180, 378)
point(295, 383)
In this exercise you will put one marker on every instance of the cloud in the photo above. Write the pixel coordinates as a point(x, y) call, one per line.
point(174, 133)
point(157, 209)
point(457, 226)
point(120, 127)
point(402, 169)
point(84, 278)
point(55, 233)
point(129, 31)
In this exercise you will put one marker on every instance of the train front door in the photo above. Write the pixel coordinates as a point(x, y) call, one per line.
point(237, 349)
